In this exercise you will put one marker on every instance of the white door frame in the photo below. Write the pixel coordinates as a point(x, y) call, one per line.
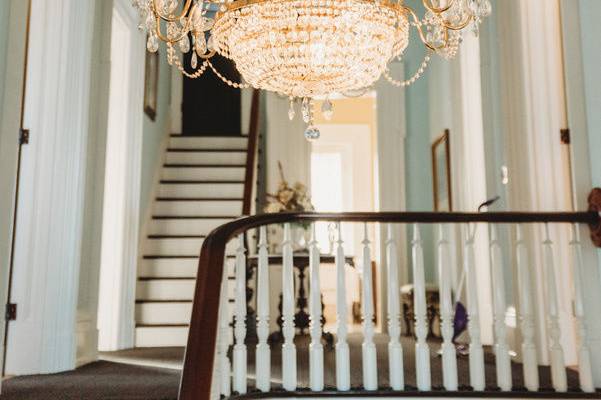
point(10, 120)
point(116, 307)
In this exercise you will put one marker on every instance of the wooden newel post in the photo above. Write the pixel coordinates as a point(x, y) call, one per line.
point(594, 204)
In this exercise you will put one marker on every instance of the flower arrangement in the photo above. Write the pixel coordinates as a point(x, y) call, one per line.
point(288, 198)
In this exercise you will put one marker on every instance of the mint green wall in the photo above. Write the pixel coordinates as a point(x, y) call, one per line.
point(418, 163)
point(590, 11)
point(4, 14)
point(590, 31)
point(153, 135)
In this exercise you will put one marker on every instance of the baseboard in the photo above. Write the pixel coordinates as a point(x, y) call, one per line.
point(87, 343)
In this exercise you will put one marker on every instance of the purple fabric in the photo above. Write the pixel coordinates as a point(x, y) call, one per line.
point(460, 320)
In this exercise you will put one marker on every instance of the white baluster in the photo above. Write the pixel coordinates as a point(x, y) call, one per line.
point(529, 358)
point(288, 296)
point(343, 373)
point(240, 356)
point(585, 372)
point(449, 356)
point(263, 353)
point(225, 337)
point(422, 351)
point(558, 368)
point(315, 348)
point(370, 363)
point(476, 357)
point(503, 362)
point(395, 350)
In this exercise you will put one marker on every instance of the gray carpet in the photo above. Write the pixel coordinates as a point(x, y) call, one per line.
point(101, 380)
point(105, 380)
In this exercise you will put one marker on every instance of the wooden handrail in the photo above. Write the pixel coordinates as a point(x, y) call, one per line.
point(251, 153)
point(199, 358)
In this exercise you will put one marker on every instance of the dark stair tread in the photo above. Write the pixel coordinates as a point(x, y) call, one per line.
point(175, 134)
point(194, 217)
point(166, 278)
point(201, 150)
point(171, 165)
point(198, 199)
point(197, 182)
point(160, 237)
point(162, 301)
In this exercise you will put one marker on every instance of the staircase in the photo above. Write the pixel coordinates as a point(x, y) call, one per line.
point(201, 187)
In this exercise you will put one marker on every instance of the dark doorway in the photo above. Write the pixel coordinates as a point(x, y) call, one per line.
point(211, 107)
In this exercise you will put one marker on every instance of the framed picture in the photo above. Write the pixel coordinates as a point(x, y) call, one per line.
point(441, 169)
point(151, 81)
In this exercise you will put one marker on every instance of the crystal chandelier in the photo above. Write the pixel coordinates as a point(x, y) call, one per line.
point(305, 49)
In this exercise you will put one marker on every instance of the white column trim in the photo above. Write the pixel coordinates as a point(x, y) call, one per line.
point(578, 64)
point(47, 253)
point(532, 92)
point(118, 299)
point(389, 184)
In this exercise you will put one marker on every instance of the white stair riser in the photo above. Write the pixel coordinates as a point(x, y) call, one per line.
point(178, 247)
point(192, 208)
point(170, 289)
point(203, 174)
point(174, 268)
point(161, 336)
point(206, 157)
point(202, 190)
point(163, 313)
point(196, 142)
point(185, 226)
point(168, 268)
point(165, 289)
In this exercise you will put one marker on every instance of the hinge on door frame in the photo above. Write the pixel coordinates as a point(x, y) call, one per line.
point(11, 312)
point(24, 136)
point(565, 136)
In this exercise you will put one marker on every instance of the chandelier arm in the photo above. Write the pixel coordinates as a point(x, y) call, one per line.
point(418, 25)
point(459, 26)
point(208, 55)
point(185, 31)
point(225, 80)
point(435, 10)
point(155, 9)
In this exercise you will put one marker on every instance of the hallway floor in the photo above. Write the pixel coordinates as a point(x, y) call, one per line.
point(153, 373)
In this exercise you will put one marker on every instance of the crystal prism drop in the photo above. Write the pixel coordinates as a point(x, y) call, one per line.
point(312, 133)
point(210, 44)
point(184, 44)
point(194, 60)
point(153, 44)
point(291, 112)
point(201, 44)
point(306, 110)
point(327, 109)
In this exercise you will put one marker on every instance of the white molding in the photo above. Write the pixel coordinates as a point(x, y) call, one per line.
point(533, 106)
point(175, 103)
point(469, 153)
point(47, 253)
point(87, 309)
point(580, 35)
point(118, 278)
point(389, 180)
point(10, 118)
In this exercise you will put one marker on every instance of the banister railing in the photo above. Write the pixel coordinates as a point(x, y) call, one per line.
point(198, 373)
point(251, 152)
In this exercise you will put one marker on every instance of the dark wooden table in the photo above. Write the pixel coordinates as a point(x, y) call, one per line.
point(300, 261)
